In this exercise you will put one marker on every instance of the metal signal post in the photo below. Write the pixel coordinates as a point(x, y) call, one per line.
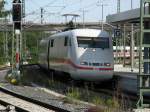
point(17, 38)
point(144, 57)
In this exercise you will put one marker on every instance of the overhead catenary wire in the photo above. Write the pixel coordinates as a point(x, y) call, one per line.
point(36, 10)
point(85, 8)
point(49, 5)
point(89, 6)
point(70, 5)
point(58, 9)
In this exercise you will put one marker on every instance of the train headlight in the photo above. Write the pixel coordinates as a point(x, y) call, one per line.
point(84, 63)
point(94, 50)
point(107, 64)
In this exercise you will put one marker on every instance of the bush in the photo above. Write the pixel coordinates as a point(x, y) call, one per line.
point(73, 93)
point(112, 103)
point(98, 101)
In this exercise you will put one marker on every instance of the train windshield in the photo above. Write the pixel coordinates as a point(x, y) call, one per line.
point(93, 42)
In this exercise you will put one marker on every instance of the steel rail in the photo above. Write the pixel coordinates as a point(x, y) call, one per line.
point(17, 109)
point(45, 105)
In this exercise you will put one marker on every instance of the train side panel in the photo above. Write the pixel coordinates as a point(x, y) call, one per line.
point(61, 53)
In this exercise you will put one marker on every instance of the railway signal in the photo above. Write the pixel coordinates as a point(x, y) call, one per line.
point(17, 14)
point(17, 38)
point(16, 10)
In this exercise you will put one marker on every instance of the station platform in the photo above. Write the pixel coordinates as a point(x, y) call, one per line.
point(141, 110)
point(126, 78)
point(120, 68)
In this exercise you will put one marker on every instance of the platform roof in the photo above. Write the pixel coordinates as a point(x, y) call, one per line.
point(127, 16)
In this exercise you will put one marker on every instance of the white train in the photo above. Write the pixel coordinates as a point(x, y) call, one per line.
point(85, 54)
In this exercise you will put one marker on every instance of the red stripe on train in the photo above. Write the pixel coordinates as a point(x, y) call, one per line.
point(67, 61)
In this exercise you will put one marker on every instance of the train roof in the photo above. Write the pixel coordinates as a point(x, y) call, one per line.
point(84, 32)
point(90, 33)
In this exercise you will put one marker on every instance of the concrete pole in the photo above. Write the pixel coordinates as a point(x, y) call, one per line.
point(41, 15)
point(124, 45)
point(83, 19)
point(13, 48)
point(84, 11)
point(118, 6)
point(131, 4)
point(23, 9)
point(116, 56)
point(132, 48)
point(6, 39)
point(102, 16)
point(66, 19)
point(20, 49)
point(102, 19)
point(75, 23)
point(6, 36)
point(4, 44)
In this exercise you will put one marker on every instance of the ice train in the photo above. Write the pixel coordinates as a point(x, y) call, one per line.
point(85, 54)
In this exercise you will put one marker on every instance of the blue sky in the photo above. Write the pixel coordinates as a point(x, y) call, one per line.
point(54, 9)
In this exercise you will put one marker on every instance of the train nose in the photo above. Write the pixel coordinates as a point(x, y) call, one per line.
point(93, 75)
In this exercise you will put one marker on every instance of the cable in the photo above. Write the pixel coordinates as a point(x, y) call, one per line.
point(35, 3)
point(86, 7)
point(50, 3)
point(69, 5)
point(43, 6)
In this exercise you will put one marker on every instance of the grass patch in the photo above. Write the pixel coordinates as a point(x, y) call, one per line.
point(73, 93)
point(114, 103)
point(98, 101)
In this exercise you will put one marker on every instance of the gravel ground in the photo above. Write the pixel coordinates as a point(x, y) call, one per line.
point(41, 95)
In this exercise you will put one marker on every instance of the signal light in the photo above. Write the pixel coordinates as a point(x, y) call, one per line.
point(17, 12)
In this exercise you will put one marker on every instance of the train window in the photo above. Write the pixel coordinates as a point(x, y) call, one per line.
point(52, 43)
point(66, 41)
point(96, 64)
point(93, 42)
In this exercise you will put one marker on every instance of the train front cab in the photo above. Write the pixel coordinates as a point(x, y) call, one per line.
point(95, 59)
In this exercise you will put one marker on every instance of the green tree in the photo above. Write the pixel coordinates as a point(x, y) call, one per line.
point(32, 42)
point(3, 12)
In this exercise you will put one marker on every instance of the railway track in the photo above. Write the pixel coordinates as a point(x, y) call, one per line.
point(6, 106)
point(38, 96)
point(25, 104)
